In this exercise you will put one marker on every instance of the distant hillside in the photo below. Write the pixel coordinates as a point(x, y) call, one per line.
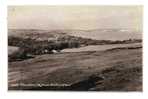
point(107, 34)
point(58, 36)
point(37, 42)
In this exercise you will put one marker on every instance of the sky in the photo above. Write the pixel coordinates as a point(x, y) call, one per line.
point(74, 17)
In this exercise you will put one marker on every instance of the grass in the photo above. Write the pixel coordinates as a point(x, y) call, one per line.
point(113, 70)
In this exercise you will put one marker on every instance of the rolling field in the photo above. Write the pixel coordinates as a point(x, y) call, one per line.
point(110, 70)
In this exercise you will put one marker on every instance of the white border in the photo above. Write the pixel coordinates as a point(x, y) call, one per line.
point(72, 95)
point(63, 2)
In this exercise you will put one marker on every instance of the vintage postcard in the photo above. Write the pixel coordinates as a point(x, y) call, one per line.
point(75, 47)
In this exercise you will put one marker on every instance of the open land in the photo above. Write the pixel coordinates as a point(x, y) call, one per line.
point(116, 69)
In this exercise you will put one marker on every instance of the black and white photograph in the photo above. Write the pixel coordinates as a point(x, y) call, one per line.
point(75, 47)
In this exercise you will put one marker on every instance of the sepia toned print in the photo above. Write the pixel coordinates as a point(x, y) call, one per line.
point(75, 48)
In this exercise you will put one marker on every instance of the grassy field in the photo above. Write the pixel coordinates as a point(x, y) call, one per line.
point(112, 70)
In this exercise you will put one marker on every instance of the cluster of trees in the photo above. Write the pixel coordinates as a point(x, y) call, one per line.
point(47, 48)
point(34, 47)
point(28, 46)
